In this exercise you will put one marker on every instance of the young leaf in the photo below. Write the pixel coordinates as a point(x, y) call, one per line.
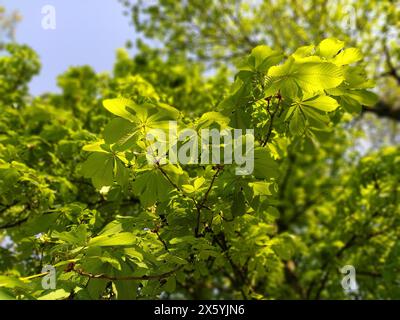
point(119, 239)
point(323, 103)
point(328, 48)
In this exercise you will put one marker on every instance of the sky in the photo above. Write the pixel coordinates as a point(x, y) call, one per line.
point(86, 32)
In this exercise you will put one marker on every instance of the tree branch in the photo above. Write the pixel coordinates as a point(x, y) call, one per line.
point(116, 278)
point(202, 203)
point(392, 70)
point(383, 110)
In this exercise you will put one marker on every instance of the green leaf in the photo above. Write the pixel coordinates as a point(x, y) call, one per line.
point(309, 76)
point(118, 107)
point(364, 97)
point(297, 122)
point(102, 168)
point(119, 239)
point(315, 118)
point(120, 131)
point(12, 282)
point(99, 167)
point(260, 188)
point(262, 57)
point(212, 119)
point(348, 56)
point(199, 182)
point(5, 295)
point(121, 174)
point(328, 48)
point(289, 89)
point(151, 186)
point(312, 77)
point(138, 120)
point(99, 146)
point(238, 207)
point(55, 295)
point(108, 259)
point(350, 105)
point(304, 51)
point(323, 103)
point(76, 236)
point(170, 285)
point(173, 259)
point(96, 288)
point(264, 165)
point(126, 290)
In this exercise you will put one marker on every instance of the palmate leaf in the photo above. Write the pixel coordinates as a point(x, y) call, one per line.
point(329, 48)
point(143, 114)
point(151, 186)
point(238, 207)
point(240, 119)
point(135, 120)
point(126, 290)
point(119, 239)
point(104, 168)
point(59, 294)
point(99, 167)
point(212, 119)
point(315, 119)
point(12, 282)
point(356, 78)
point(195, 214)
point(264, 165)
point(241, 91)
point(99, 146)
point(313, 77)
point(297, 122)
point(260, 188)
point(263, 57)
point(309, 112)
point(4, 295)
point(323, 103)
point(303, 118)
point(352, 100)
point(198, 185)
point(76, 236)
point(119, 108)
point(310, 76)
point(364, 97)
point(350, 105)
point(120, 131)
point(289, 89)
point(347, 56)
point(304, 51)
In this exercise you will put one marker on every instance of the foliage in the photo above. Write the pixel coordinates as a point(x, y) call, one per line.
point(77, 191)
point(226, 30)
point(195, 231)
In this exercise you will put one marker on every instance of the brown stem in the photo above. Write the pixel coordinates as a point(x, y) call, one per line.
point(392, 70)
point(271, 117)
point(115, 278)
point(202, 203)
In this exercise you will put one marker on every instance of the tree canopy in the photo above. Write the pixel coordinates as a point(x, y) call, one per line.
point(78, 193)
